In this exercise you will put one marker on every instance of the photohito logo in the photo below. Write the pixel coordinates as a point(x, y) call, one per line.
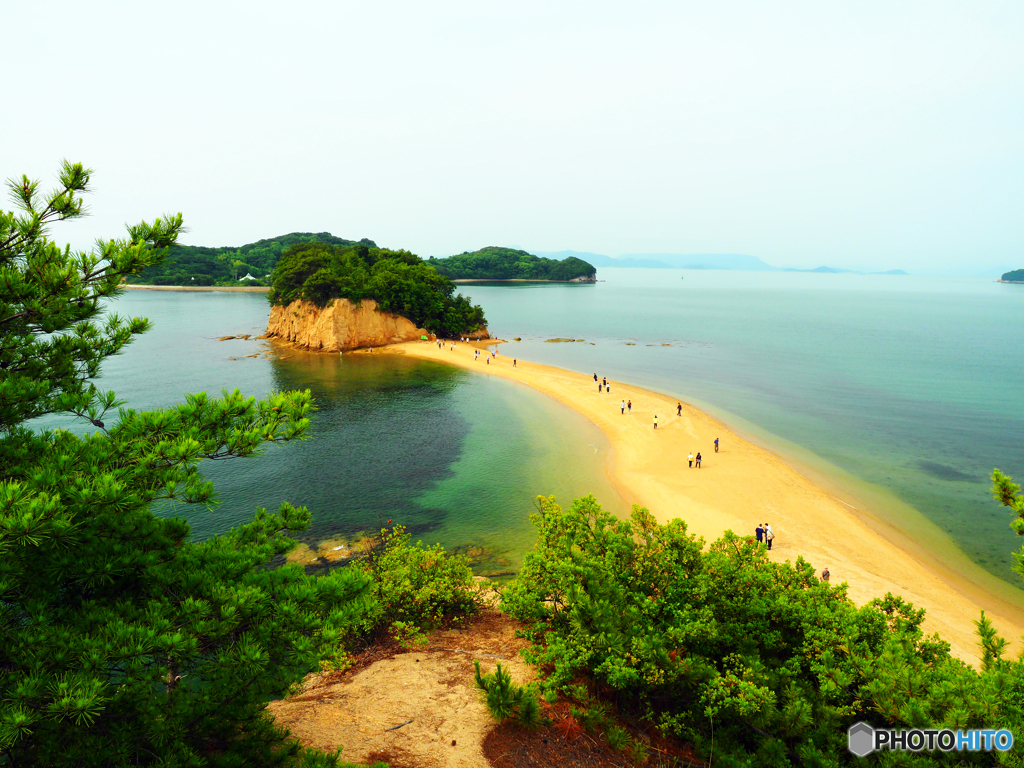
point(863, 739)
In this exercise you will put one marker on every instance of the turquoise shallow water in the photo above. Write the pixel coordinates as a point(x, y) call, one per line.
point(456, 457)
point(913, 385)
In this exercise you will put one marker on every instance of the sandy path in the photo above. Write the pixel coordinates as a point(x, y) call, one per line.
point(418, 708)
point(739, 487)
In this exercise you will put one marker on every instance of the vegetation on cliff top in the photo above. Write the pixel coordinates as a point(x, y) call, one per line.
point(494, 263)
point(400, 282)
point(1017, 276)
point(200, 265)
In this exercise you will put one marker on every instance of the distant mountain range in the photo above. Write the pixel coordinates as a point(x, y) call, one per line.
point(734, 261)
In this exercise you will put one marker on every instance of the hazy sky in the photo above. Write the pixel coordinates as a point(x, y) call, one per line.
point(876, 134)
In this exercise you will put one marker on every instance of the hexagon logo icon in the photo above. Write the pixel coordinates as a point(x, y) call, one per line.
point(861, 739)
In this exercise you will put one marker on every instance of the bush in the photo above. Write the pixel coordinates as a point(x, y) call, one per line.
point(507, 700)
point(416, 585)
point(723, 644)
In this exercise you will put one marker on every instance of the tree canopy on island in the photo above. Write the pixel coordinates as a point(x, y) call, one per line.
point(400, 282)
point(493, 263)
point(1017, 276)
point(201, 265)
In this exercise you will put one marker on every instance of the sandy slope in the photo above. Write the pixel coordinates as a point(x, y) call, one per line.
point(738, 487)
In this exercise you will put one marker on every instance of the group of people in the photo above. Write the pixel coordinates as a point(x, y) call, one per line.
point(693, 458)
point(603, 385)
point(765, 534)
point(487, 357)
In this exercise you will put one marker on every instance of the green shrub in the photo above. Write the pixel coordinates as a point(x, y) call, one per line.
point(762, 657)
point(617, 737)
point(420, 586)
point(506, 700)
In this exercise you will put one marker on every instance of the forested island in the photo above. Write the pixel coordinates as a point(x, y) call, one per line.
point(400, 282)
point(229, 265)
point(493, 263)
point(1017, 276)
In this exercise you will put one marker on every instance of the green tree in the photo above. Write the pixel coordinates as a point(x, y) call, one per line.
point(122, 641)
point(753, 661)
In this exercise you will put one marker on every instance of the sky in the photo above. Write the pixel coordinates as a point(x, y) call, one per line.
point(875, 135)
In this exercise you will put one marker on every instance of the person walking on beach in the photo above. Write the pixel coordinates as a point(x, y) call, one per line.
point(679, 409)
point(690, 459)
point(716, 445)
point(759, 532)
point(604, 380)
point(595, 377)
point(825, 574)
point(629, 406)
point(598, 387)
point(622, 405)
point(607, 388)
point(698, 459)
point(513, 362)
point(655, 421)
point(488, 361)
point(769, 535)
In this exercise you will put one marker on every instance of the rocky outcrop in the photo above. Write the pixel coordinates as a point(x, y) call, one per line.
point(340, 326)
point(585, 279)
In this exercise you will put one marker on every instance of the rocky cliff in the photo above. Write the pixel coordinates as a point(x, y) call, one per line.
point(340, 326)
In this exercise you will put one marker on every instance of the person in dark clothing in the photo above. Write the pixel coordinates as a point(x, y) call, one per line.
point(629, 406)
point(825, 574)
point(759, 532)
point(604, 380)
point(598, 387)
point(595, 377)
point(513, 362)
point(679, 409)
point(698, 459)
point(716, 445)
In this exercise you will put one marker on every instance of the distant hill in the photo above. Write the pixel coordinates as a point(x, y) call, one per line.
point(599, 260)
point(1017, 276)
point(225, 265)
point(738, 261)
point(494, 263)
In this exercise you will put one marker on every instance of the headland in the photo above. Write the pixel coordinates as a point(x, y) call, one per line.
point(740, 486)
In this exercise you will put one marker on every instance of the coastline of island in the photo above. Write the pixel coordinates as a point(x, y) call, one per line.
point(742, 486)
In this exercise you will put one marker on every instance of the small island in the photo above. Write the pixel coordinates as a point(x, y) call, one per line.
point(342, 297)
point(494, 263)
point(1017, 276)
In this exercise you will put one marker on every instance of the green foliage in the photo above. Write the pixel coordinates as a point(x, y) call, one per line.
point(122, 641)
point(200, 265)
point(1016, 276)
point(617, 737)
point(494, 263)
point(417, 586)
point(398, 281)
point(722, 646)
point(506, 700)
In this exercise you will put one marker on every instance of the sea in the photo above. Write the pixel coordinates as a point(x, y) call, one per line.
point(898, 394)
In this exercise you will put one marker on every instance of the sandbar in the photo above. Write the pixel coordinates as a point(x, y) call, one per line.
point(740, 486)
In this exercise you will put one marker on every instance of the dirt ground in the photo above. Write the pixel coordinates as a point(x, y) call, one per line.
point(416, 709)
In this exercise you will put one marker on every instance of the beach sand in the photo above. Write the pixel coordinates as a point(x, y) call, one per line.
point(738, 488)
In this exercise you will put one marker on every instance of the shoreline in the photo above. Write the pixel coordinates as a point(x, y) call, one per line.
point(743, 485)
point(228, 288)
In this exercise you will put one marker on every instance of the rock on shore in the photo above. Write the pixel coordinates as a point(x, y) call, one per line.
point(341, 326)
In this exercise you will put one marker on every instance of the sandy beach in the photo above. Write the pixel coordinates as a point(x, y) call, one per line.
point(739, 487)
